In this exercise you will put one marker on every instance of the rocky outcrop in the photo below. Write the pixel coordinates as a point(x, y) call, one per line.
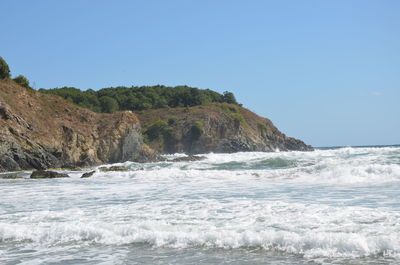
point(113, 168)
point(225, 128)
point(11, 176)
point(42, 174)
point(87, 174)
point(39, 131)
point(189, 158)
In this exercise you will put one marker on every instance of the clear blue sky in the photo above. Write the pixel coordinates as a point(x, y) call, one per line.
point(327, 72)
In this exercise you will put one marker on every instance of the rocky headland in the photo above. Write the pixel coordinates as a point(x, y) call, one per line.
point(217, 127)
point(67, 127)
point(39, 131)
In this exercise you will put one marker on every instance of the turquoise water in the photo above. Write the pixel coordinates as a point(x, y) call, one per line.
point(331, 206)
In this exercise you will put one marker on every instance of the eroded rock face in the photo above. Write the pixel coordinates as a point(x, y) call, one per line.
point(40, 131)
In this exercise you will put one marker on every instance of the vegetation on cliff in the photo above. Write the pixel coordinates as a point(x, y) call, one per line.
point(22, 81)
point(140, 98)
point(4, 69)
point(6, 73)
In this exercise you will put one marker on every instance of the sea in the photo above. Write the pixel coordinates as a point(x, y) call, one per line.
point(330, 206)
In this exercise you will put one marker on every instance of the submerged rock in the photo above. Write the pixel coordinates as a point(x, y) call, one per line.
point(73, 168)
point(12, 177)
point(42, 174)
point(113, 168)
point(88, 174)
point(188, 158)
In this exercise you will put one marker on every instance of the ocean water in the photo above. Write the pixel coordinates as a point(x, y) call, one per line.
point(331, 206)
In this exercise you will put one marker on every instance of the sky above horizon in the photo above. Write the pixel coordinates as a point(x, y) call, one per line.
point(326, 72)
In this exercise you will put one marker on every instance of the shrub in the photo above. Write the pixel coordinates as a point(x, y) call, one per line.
point(158, 131)
point(228, 108)
point(22, 81)
point(172, 120)
point(228, 97)
point(239, 117)
point(4, 69)
point(108, 104)
point(233, 108)
point(262, 127)
point(196, 130)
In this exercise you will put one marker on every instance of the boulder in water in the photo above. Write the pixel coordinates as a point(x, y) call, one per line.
point(42, 174)
point(88, 174)
point(12, 177)
point(113, 168)
point(188, 158)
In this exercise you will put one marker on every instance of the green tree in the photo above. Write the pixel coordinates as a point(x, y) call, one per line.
point(142, 98)
point(158, 131)
point(108, 104)
point(228, 97)
point(22, 81)
point(4, 69)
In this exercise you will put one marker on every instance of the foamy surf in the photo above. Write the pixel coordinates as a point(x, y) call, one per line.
point(329, 206)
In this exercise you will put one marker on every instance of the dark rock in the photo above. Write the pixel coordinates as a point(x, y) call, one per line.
point(188, 158)
point(41, 174)
point(113, 168)
point(233, 145)
point(36, 162)
point(8, 163)
point(74, 169)
point(14, 176)
point(88, 174)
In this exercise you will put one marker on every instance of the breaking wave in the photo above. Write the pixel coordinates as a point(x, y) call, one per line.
point(334, 203)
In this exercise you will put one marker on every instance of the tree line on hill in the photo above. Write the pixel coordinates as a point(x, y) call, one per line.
point(134, 98)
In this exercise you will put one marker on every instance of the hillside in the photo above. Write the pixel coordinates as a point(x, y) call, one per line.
point(42, 131)
point(218, 127)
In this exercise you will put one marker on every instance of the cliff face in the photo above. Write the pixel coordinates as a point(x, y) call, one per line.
point(41, 131)
point(226, 128)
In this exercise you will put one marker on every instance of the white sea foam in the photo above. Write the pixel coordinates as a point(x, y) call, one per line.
point(341, 166)
point(310, 230)
point(340, 203)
